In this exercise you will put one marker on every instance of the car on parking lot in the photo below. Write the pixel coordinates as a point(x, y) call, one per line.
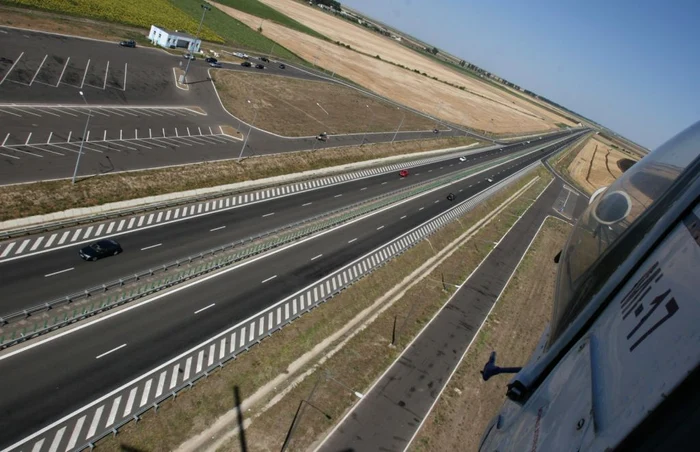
point(128, 43)
point(246, 64)
point(189, 56)
point(265, 59)
point(260, 66)
point(282, 66)
point(462, 159)
point(100, 249)
point(403, 173)
point(215, 64)
point(211, 60)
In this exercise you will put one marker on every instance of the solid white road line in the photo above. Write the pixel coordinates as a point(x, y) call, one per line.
point(350, 241)
point(269, 279)
point(152, 246)
point(59, 272)
point(316, 257)
point(268, 214)
point(111, 351)
point(216, 229)
point(204, 308)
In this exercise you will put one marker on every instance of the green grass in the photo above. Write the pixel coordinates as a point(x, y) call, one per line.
point(263, 11)
point(139, 14)
point(234, 32)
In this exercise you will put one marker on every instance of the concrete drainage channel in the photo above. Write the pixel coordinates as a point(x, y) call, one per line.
point(79, 430)
point(52, 315)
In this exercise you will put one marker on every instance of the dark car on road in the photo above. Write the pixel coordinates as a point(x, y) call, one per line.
point(265, 59)
point(246, 64)
point(211, 60)
point(215, 64)
point(282, 66)
point(100, 249)
point(260, 66)
point(451, 197)
point(129, 43)
point(323, 136)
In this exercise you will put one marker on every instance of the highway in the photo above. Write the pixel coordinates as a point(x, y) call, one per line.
point(38, 278)
point(152, 332)
point(140, 118)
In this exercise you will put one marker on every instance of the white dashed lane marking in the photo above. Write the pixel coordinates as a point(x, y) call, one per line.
point(152, 246)
point(111, 351)
point(269, 279)
point(216, 229)
point(204, 308)
point(59, 272)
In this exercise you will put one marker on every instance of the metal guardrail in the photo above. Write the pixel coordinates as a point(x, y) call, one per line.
point(334, 218)
point(322, 181)
point(130, 401)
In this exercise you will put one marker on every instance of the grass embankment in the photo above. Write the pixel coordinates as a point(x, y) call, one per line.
point(18, 201)
point(138, 14)
point(295, 107)
point(357, 364)
point(562, 161)
point(513, 329)
point(263, 11)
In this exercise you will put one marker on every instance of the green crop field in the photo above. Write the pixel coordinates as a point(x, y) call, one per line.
point(139, 14)
point(233, 32)
point(263, 11)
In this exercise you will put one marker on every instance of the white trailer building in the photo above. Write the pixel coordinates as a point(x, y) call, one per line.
point(173, 39)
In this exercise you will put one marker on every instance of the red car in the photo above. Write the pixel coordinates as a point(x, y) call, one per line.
point(403, 173)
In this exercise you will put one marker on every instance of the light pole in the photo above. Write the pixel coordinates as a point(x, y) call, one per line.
point(368, 124)
point(400, 124)
point(80, 151)
point(205, 8)
point(248, 135)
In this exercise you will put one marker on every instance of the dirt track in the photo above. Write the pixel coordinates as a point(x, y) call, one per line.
point(479, 105)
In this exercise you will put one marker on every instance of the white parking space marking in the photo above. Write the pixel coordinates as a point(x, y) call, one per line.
point(9, 112)
point(152, 246)
point(269, 279)
point(104, 85)
point(27, 112)
point(62, 72)
point(85, 74)
point(111, 351)
point(38, 69)
point(11, 67)
point(44, 110)
point(204, 308)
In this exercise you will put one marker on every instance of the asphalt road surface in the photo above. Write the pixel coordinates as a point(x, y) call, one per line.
point(139, 116)
point(27, 284)
point(389, 414)
point(31, 397)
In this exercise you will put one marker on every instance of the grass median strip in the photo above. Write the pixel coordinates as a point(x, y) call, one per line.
point(458, 420)
point(23, 200)
point(363, 358)
point(156, 279)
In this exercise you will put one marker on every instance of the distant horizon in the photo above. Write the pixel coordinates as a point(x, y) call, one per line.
point(615, 63)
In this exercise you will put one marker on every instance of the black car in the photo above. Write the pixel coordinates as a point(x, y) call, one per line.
point(451, 197)
point(100, 249)
point(265, 59)
point(246, 64)
point(282, 66)
point(129, 43)
point(260, 66)
point(211, 60)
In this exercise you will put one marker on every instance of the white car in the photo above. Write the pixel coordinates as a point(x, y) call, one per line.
point(462, 159)
point(489, 180)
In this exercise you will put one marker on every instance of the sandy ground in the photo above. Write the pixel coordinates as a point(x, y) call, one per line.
point(513, 329)
point(374, 44)
point(475, 107)
point(294, 107)
point(592, 168)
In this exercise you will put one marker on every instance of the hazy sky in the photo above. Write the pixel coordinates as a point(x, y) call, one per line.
point(633, 66)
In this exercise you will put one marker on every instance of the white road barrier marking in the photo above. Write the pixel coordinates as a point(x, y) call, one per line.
point(111, 351)
point(59, 272)
point(152, 246)
point(269, 279)
point(204, 308)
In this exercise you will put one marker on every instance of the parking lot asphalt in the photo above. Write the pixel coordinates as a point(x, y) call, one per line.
point(139, 117)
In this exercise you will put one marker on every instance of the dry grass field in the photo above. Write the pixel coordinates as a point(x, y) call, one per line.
point(478, 106)
point(296, 107)
point(595, 165)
